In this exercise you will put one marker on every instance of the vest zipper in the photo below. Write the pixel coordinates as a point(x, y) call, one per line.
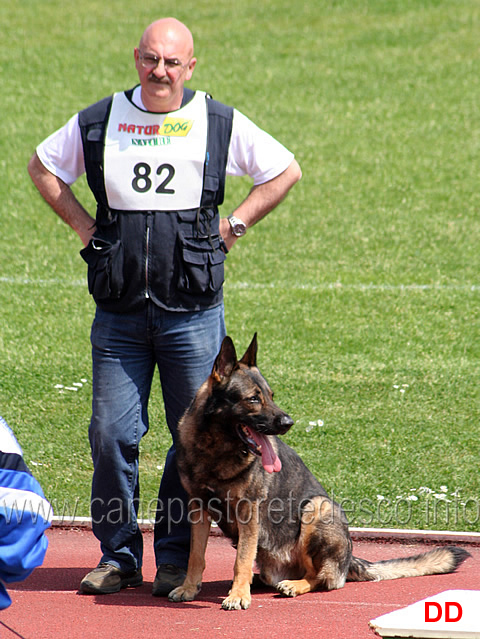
point(147, 254)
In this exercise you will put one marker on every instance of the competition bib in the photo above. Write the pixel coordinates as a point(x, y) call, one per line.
point(155, 161)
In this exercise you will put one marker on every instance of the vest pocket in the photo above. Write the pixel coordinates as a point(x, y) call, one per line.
point(201, 268)
point(105, 268)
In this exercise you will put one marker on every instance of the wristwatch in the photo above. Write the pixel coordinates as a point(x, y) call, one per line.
point(238, 227)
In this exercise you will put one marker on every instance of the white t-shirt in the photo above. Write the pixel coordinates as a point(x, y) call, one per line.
point(252, 151)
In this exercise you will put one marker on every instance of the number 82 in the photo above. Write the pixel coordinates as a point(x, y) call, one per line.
point(142, 182)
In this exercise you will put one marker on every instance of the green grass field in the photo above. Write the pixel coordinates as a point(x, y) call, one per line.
point(363, 286)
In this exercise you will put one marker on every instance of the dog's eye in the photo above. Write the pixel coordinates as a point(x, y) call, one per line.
point(254, 399)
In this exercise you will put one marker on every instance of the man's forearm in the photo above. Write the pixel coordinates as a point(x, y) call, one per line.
point(62, 200)
point(262, 199)
point(265, 197)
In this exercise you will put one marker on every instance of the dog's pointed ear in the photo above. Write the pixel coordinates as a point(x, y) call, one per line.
point(225, 361)
point(250, 357)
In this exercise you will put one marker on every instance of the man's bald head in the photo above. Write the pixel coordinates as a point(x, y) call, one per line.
point(169, 29)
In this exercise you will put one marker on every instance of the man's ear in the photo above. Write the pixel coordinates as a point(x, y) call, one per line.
point(190, 68)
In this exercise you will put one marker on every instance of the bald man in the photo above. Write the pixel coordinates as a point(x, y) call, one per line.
point(156, 157)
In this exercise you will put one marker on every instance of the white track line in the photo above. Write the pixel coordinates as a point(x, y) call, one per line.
point(338, 286)
point(332, 286)
point(75, 521)
point(26, 281)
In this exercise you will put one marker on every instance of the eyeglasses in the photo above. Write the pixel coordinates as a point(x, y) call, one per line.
point(151, 62)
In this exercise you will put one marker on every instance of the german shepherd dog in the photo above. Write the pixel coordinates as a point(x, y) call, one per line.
point(239, 474)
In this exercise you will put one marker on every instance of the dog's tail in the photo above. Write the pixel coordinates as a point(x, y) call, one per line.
point(435, 562)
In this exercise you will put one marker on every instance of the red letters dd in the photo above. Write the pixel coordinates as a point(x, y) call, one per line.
point(436, 614)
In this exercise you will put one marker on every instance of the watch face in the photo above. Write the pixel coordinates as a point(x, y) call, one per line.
point(238, 227)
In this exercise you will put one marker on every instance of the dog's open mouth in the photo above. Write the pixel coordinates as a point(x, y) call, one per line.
point(260, 445)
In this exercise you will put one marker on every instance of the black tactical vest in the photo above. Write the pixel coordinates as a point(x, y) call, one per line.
point(174, 258)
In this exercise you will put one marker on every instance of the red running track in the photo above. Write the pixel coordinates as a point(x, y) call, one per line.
point(47, 605)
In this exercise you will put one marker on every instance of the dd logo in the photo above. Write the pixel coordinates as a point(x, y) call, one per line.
point(434, 612)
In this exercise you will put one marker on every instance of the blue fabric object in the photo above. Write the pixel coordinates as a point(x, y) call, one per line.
point(25, 514)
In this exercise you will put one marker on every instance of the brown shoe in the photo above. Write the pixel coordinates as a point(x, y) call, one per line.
point(106, 579)
point(167, 578)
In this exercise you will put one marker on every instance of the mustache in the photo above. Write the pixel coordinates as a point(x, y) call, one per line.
point(153, 78)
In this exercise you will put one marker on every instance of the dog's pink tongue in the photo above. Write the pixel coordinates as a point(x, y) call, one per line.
point(270, 460)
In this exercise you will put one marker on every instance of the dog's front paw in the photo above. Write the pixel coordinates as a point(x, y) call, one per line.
point(233, 602)
point(287, 588)
point(184, 593)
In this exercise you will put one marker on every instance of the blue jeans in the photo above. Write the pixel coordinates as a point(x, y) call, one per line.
point(125, 350)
